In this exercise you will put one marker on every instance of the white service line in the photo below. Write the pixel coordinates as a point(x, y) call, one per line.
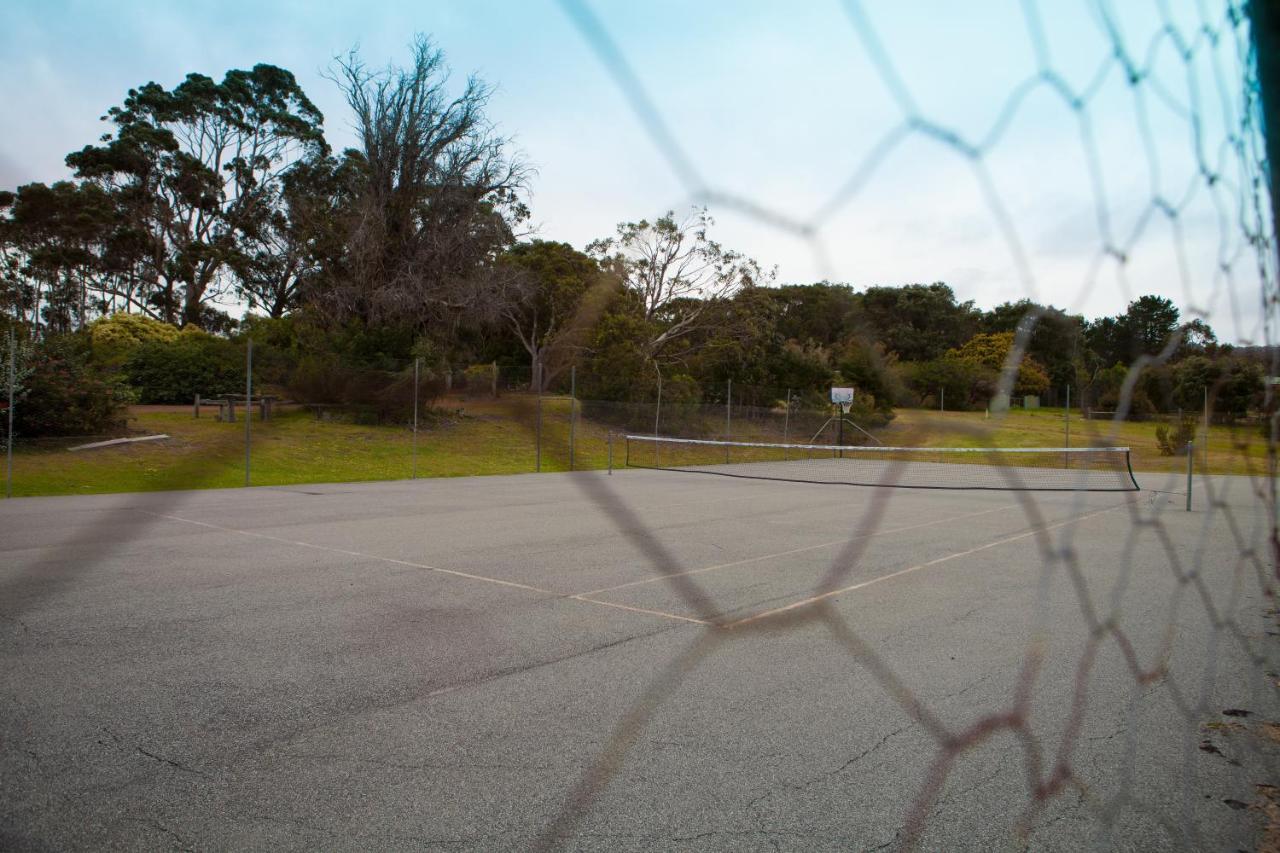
point(801, 550)
point(663, 613)
point(900, 572)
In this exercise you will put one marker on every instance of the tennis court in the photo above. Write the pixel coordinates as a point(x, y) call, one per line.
point(649, 659)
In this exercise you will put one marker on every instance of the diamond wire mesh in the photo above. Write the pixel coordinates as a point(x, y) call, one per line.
point(1230, 171)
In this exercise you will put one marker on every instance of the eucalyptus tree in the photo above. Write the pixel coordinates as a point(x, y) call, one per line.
point(195, 167)
point(675, 273)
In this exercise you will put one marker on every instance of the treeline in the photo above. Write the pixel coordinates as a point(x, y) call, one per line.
point(411, 246)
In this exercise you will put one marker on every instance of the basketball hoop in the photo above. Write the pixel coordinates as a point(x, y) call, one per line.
point(842, 397)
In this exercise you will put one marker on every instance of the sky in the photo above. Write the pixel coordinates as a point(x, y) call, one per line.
point(879, 143)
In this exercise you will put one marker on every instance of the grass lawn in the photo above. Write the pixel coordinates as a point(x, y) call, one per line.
point(468, 437)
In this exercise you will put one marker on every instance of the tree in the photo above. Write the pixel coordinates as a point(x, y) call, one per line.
point(918, 322)
point(991, 351)
point(434, 196)
point(193, 167)
point(676, 272)
point(543, 300)
point(822, 313)
point(1150, 322)
point(284, 249)
point(1054, 341)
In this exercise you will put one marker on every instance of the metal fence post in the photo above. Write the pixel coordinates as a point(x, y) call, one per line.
point(573, 408)
point(248, 406)
point(786, 424)
point(537, 430)
point(610, 440)
point(416, 362)
point(1190, 461)
point(1066, 425)
point(8, 436)
point(942, 399)
point(657, 409)
point(728, 417)
point(1205, 467)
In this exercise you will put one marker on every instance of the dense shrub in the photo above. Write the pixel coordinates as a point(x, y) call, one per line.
point(64, 394)
point(1173, 442)
point(963, 383)
point(113, 339)
point(364, 394)
point(193, 363)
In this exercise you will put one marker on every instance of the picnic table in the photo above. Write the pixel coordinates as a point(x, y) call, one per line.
point(226, 404)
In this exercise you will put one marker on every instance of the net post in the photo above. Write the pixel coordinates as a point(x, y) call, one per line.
point(8, 436)
point(537, 430)
point(942, 399)
point(610, 441)
point(248, 406)
point(195, 407)
point(1190, 462)
point(414, 472)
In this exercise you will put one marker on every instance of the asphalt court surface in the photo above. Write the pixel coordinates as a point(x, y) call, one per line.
point(443, 664)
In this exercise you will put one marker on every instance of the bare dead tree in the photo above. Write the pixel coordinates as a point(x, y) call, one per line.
point(436, 194)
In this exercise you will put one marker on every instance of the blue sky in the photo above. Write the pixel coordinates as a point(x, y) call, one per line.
point(775, 104)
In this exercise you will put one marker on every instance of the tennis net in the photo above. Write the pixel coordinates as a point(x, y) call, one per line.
point(1023, 468)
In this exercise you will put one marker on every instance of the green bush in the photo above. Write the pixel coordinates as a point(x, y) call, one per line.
point(193, 363)
point(113, 339)
point(64, 394)
point(1174, 442)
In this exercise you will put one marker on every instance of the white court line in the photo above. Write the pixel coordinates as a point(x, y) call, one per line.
point(801, 550)
point(863, 584)
point(423, 566)
point(583, 597)
point(359, 554)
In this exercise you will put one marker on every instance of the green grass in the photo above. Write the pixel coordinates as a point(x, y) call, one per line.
point(489, 437)
point(498, 437)
point(1232, 450)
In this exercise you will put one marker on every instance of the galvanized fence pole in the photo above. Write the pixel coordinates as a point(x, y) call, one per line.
point(1205, 468)
point(786, 424)
point(728, 418)
point(416, 363)
point(657, 409)
point(537, 432)
point(1190, 461)
point(248, 406)
point(573, 408)
point(610, 440)
point(8, 436)
point(1066, 426)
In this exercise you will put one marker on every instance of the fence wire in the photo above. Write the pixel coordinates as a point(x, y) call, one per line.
point(1231, 171)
